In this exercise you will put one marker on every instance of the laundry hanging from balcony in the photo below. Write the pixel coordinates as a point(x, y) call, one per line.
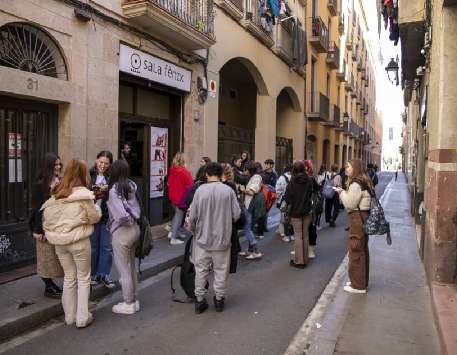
point(389, 12)
point(269, 11)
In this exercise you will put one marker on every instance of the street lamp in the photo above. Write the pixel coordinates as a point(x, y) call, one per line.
point(345, 117)
point(392, 71)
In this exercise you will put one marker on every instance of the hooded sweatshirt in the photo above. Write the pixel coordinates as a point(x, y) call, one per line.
point(68, 220)
point(299, 187)
point(179, 181)
point(122, 211)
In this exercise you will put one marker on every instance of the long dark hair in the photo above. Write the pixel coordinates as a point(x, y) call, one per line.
point(46, 173)
point(119, 176)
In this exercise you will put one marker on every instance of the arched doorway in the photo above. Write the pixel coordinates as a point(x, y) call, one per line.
point(350, 153)
point(240, 83)
point(28, 130)
point(286, 105)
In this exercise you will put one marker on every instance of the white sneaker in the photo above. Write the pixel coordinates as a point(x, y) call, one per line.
point(319, 228)
point(348, 283)
point(311, 252)
point(292, 252)
point(286, 239)
point(169, 235)
point(176, 242)
point(353, 290)
point(137, 306)
point(260, 237)
point(124, 308)
point(292, 238)
point(254, 256)
point(87, 323)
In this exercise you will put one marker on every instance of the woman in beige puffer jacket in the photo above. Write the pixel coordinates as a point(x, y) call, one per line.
point(68, 220)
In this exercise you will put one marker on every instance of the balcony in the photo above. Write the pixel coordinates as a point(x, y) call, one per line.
point(341, 74)
point(349, 86)
point(336, 117)
point(318, 107)
point(367, 81)
point(347, 125)
point(189, 26)
point(284, 43)
point(332, 6)
point(367, 109)
point(319, 35)
point(364, 74)
point(256, 25)
point(359, 62)
point(235, 8)
point(333, 56)
point(354, 51)
point(341, 23)
point(355, 130)
point(349, 42)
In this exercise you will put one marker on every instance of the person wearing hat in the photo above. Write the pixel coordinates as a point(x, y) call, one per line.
point(269, 175)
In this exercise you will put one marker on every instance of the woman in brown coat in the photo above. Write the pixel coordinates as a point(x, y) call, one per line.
point(48, 265)
point(357, 200)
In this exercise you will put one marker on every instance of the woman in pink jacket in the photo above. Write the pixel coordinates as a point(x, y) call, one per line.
point(179, 182)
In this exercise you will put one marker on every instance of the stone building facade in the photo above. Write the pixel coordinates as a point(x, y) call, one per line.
point(428, 32)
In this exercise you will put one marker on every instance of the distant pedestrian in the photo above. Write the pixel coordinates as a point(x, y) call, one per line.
point(332, 204)
point(213, 210)
point(322, 175)
point(262, 220)
point(179, 183)
point(285, 228)
point(396, 175)
point(48, 265)
point(357, 199)
point(371, 171)
point(68, 219)
point(124, 211)
point(100, 240)
point(298, 197)
point(254, 209)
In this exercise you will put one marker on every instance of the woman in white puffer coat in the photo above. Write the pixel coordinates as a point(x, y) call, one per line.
point(68, 221)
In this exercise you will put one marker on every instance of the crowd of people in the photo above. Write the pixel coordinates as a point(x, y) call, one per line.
point(84, 219)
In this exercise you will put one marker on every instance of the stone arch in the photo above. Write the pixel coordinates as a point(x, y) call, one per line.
point(293, 98)
point(27, 47)
point(253, 71)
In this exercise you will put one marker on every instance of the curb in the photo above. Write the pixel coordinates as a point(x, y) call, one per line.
point(36, 315)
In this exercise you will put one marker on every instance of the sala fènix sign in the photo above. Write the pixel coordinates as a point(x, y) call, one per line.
point(138, 63)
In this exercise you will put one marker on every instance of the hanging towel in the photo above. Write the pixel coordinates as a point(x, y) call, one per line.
point(275, 7)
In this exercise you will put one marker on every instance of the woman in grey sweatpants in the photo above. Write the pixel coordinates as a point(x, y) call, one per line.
point(124, 211)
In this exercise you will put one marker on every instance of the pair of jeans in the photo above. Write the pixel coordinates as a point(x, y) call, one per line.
point(332, 208)
point(102, 251)
point(248, 228)
point(177, 223)
point(125, 240)
point(75, 261)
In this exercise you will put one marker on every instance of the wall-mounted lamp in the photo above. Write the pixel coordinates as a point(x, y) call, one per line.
point(392, 71)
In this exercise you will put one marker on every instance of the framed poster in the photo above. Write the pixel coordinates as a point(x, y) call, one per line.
point(159, 161)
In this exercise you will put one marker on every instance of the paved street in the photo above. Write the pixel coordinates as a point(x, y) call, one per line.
point(268, 302)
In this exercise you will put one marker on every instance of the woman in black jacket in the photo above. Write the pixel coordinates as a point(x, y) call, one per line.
point(298, 198)
point(48, 265)
point(102, 250)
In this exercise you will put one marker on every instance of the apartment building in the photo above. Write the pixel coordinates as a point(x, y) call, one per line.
point(210, 78)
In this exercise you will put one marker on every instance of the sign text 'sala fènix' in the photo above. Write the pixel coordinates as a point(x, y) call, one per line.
point(138, 63)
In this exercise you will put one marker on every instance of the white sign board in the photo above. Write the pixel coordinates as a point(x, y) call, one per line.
point(159, 159)
point(144, 65)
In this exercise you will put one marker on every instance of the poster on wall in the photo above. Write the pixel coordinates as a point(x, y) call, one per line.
point(159, 161)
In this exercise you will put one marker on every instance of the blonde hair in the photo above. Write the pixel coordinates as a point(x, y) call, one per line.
point(178, 159)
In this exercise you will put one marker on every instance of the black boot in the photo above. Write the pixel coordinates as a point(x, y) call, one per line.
point(201, 306)
point(52, 292)
point(219, 304)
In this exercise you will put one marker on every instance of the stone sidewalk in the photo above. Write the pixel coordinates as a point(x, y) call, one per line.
point(396, 315)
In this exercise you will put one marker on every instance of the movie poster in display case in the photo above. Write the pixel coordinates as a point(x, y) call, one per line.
point(159, 161)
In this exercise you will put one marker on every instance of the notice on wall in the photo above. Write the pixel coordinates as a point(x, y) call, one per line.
point(144, 65)
point(14, 145)
point(159, 161)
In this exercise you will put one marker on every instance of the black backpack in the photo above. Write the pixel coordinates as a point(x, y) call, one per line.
point(145, 244)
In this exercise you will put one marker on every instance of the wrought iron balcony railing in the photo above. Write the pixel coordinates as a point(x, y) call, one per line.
point(333, 55)
point(318, 106)
point(319, 35)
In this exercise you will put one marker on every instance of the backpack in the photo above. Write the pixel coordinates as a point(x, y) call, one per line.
point(327, 190)
point(376, 223)
point(270, 196)
point(318, 205)
point(186, 276)
point(145, 243)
